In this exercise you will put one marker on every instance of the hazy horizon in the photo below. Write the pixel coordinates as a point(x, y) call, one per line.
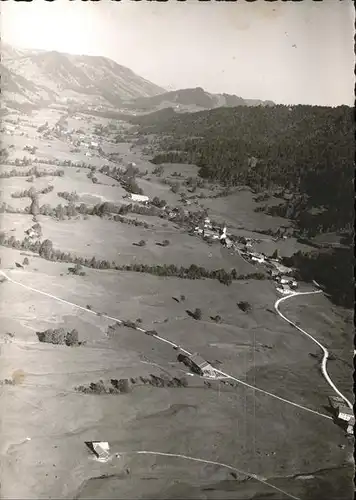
point(290, 53)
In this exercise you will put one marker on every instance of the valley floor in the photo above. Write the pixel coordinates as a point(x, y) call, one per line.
point(256, 438)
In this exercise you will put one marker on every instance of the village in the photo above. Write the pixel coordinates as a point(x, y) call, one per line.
point(281, 275)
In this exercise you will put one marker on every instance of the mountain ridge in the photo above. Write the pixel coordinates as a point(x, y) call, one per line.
point(198, 97)
point(36, 76)
point(65, 77)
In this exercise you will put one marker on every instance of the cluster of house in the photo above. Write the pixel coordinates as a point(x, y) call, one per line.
point(87, 141)
point(343, 414)
point(211, 232)
point(9, 129)
point(282, 275)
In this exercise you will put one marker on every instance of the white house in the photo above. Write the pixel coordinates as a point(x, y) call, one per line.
point(223, 234)
point(343, 413)
point(140, 198)
point(207, 223)
point(228, 243)
point(287, 280)
point(284, 290)
point(210, 234)
point(258, 258)
point(100, 449)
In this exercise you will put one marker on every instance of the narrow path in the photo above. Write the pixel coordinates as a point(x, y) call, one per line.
point(210, 462)
point(325, 351)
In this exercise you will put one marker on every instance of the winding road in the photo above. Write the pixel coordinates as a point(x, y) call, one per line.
point(324, 349)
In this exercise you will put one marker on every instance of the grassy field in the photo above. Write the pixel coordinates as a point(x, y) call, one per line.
point(228, 427)
point(239, 426)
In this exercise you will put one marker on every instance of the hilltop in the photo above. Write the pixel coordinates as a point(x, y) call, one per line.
point(39, 77)
point(193, 99)
point(63, 78)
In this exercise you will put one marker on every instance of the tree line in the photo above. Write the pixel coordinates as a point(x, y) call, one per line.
point(46, 250)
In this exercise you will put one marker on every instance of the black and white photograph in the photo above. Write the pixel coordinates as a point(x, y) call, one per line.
point(177, 250)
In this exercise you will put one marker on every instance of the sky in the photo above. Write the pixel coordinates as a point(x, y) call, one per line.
point(288, 52)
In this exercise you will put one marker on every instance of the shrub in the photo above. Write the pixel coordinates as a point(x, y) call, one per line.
point(58, 337)
point(141, 243)
point(46, 249)
point(124, 386)
point(35, 207)
point(51, 336)
point(175, 187)
point(26, 261)
point(132, 187)
point(71, 197)
point(151, 332)
point(158, 203)
point(72, 338)
point(197, 314)
point(129, 324)
point(158, 170)
point(244, 306)
point(77, 270)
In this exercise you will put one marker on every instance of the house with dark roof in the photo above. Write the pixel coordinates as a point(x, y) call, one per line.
point(201, 366)
point(343, 413)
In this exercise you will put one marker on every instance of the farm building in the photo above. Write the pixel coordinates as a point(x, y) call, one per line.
point(273, 273)
point(198, 365)
point(201, 366)
point(207, 223)
point(343, 413)
point(257, 257)
point(284, 289)
point(226, 242)
point(100, 449)
point(210, 234)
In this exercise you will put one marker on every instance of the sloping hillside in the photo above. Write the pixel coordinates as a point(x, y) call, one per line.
point(198, 98)
point(33, 75)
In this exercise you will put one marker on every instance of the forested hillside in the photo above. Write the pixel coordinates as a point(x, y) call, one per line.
point(307, 150)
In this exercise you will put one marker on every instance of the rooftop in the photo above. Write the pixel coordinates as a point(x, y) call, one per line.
point(199, 361)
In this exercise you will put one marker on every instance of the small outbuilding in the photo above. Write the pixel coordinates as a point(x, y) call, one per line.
point(200, 366)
